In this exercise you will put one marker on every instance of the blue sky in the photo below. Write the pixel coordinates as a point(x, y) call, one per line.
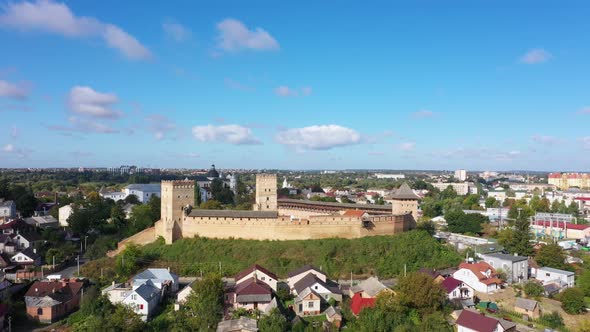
point(298, 85)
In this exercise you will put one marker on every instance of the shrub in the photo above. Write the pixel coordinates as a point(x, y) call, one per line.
point(572, 301)
point(533, 289)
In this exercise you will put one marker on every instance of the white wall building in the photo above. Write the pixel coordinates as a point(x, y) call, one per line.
point(64, 213)
point(550, 275)
point(461, 174)
point(390, 176)
point(461, 188)
point(7, 209)
point(479, 276)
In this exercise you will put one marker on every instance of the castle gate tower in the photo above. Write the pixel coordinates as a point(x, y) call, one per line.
point(266, 193)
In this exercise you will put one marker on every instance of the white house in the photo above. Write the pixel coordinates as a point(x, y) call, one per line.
point(327, 290)
point(114, 195)
point(550, 275)
point(259, 273)
point(295, 276)
point(27, 257)
point(7, 209)
point(64, 213)
point(516, 267)
point(480, 276)
point(307, 302)
point(182, 295)
point(143, 191)
point(457, 289)
point(143, 299)
point(160, 278)
point(27, 240)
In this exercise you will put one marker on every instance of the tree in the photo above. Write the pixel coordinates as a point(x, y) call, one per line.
point(204, 306)
point(491, 202)
point(584, 282)
point(211, 205)
point(118, 217)
point(419, 291)
point(427, 226)
point(517, 240)
point(132, 199)
point(533, 289)
point(155, 204)
point(460, 222)
point(448, 193)
point(141, 218)
point(572, 301)
point(435, 322)
point(53, 253)
point(128, 261)
point(551, 255)
point(198, 198)
point(552, 320)
point(273, 322)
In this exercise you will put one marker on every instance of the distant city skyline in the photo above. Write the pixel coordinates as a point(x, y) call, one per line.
point(439, 85)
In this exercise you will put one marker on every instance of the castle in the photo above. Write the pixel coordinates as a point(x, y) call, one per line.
point(276, 219)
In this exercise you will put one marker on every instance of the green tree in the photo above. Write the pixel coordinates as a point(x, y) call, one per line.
point(419, 291)
point(427, 226)
point(552, 320)
point(584, 282)
point(155, 204)
point(572, 301)
point(54, 253)
point(128, 261)
point(551, 255)
point(448, 193)
point(491, 202)
point(204, 306)
point(533, 289)
point(141, 218)
point(118, 217)
point(517, 240)
point(132, 199)
point(273, 322)
point(460, 222)
point(211, 205)
point(435, 322)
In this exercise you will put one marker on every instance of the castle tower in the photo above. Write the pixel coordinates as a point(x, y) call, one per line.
point(405, 201)
point(266, 193)
point(176, 195)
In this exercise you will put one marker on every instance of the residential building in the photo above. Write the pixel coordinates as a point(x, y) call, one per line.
point(182, 295)
point(45, 221)
point(334, 316)
point(7, 209)
point(296, 275)
point(259, 273)
point(64, 213)
point(143, 191)
point(527, 307)
point(549, 275)
point(390, 176)
point(457, 289)
point(359, 302)
point(163, 279)
point(28, 240)
point(143, 299)
point(368, 288)
point(250, 294)
point(49, 301)
point(307, 302)
point(473, 321)
point(559, 230)
point(515, 267)
point(566, 180)
point(480, 276)
point(242, 324)
point(325, 289)
point(461, 174)
point(462, 188)
point(28, 256)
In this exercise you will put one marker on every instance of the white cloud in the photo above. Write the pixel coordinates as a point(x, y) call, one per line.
point(232, 134)
point(585, 141)
point(8, 148)
point(285, 91)
point(536, 55)
point(407, 146)
point(235, 36)
point(86, 101)
point(547, 140)
point(53, 17)
point(176, 31)
point(233, 84)
point(421, 114)
point(18, 152)
point(14, 91)
point(160, 125)
point(320, 137)
point(84, 126)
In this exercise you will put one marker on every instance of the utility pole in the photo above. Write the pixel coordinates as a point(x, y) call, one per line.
point(85, 244)
point(54, 262)
point(78, 259)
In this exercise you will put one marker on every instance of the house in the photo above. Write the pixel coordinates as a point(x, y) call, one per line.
point(473, 321)
point(296, 275)
point(142, 299)
point(480, 276)
point(516, 267)
point(6, 243)
point(307, 303)
point(368, 288)
point(260, 273)
point(334, 316)
point(163, 279)
point(250, 294)
point(143, 191)
point(243, 324)
point(550, 275)
point(457, 289)
point(28, 240)
point(359, 302)
point(5, 292)
point(183, 295)
point(326, 289)
point(49, 301)
point(14, 226)
point(64, 213)
point(27, 257)
point(7, 209)
point(42, 221)
point(527, 307)
point(438, 278)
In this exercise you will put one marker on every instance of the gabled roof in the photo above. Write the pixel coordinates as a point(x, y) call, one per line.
point(431, 272)
point(558, 271)
point(476, 321)
point(358, 303)
point(306, 292)
point(42, 293)
point(371, 286)
point(253, 268)
point(354, 213)
point(29, 252)
point(155, 274)
point(304, 269)
point(147, 291)
point(241, 324)
point(506, 257)
point(404, 192)
point(331, 311)
point(526, 304)
point(153, 187)
point(252, 287)
point(479, 269)
point(450, 284)
point(31, 237)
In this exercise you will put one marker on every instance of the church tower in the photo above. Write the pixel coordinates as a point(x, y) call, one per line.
point(405, 201)
point(176, 196)
point(266, 193)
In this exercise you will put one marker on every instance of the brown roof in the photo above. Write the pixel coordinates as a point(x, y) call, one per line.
point(404, 192)
point(233, 214)
point(57, 290)
point(354, 213)
point(252, 268)
point(476, 321)
point(303, 269)
point(253, 287)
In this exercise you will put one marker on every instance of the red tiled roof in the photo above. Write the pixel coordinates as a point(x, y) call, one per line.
point(253, 287)
point(547, 223)
point(358, 303)
point(555, 176)
point(354, 213)
point(58, 290)
point(255, 267)
point(479, 269)
point(450, 284)
point(476, 321)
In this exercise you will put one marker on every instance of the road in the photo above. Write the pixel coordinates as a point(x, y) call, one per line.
point(70, 272)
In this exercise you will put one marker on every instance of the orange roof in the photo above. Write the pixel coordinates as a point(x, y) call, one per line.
point(354, 213)
point(479, 269)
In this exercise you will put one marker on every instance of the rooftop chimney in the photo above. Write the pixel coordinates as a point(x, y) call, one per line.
point(34, 250)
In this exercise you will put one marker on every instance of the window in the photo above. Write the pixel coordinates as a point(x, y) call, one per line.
point(133, 297)
point(262, 278)
point(310, 304)
point(547, 274)
point(141, 307)
point(39, 311)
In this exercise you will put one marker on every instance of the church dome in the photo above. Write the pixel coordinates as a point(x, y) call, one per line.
point(212, 172)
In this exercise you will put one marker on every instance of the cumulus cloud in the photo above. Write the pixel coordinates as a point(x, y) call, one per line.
point(231, 134)
point(84, 100)
point(319, 137)
point(536, 55)
point(235, 36)
point(18, 152)
point(160, 125)
point(285, 91)
point(547, 140)
point(14, 90)
point(421, 114)
point(57, 18)
point(85, 126)
point(176, 31)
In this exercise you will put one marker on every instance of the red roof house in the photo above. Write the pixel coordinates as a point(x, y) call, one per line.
point(358, 303)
